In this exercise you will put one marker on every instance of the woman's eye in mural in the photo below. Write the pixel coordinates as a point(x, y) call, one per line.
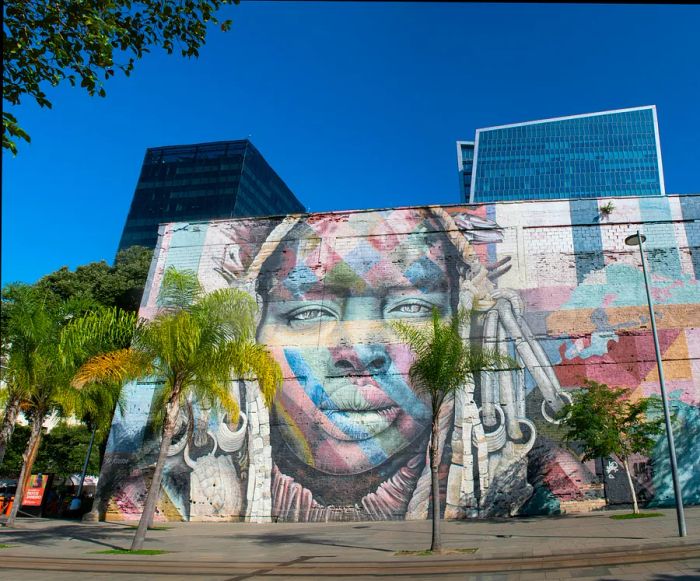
point(310, 314)
point(410, 308)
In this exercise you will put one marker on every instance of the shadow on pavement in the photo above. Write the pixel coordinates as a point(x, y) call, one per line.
point(96, 535)
point(271, 539)
point(691, 576)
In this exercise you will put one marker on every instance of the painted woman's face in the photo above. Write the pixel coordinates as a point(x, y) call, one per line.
point(346, 405)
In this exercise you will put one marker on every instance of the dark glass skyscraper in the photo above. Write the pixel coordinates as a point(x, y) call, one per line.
point(203, 182)
point(612, 153)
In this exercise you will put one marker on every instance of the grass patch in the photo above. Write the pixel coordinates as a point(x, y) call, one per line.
point(156, 528)
point(632, 515)
point(4, 546)
point(129, 552)
point(428, 552)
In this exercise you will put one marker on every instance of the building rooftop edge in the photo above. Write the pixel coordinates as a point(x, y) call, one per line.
point(225, 141)
point(566, 117)
point(456, 204)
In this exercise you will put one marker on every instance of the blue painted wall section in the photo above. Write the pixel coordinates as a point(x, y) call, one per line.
point(588, 243)
point(690, 208)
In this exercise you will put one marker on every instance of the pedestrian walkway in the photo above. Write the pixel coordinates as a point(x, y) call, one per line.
point(519, 548)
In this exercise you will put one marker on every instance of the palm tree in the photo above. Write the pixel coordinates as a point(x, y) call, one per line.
point(32, 319)
point(26, 323)
point(41, 365)
point(194, 345)
point(98, 331)
point(443, 363)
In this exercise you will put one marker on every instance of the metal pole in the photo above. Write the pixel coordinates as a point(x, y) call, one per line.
point(76, 502)
point(667, 416)
point(87, 461)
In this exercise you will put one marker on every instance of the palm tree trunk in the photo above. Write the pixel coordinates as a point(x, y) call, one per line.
point(635, 506)
point(8, 425)
point(29, 456)
point(149, 507)
point(436, 545)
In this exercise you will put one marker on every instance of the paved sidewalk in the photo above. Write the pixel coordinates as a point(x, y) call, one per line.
point(522, 548)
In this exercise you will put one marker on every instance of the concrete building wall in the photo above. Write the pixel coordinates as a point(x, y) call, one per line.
point(553, 284)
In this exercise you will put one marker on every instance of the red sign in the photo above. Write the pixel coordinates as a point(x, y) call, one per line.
point(34, 493)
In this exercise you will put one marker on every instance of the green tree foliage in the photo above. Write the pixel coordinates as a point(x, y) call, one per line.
point(40, 363)
point(124, 287)
point(33, 317)
point(194, 345)
point(443, 365)
point(86, 42)
point(12, 461)
point(98, 283)
point(606, 421)
point(62, 452)
point(29, 326)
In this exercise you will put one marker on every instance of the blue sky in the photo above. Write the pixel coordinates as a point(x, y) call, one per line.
point(355, 105)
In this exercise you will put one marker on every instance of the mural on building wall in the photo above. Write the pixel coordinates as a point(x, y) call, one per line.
point(347, 437)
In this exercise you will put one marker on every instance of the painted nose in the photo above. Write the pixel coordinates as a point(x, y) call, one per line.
point(360, 360)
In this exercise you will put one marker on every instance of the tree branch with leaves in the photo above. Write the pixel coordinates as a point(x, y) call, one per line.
point(83, 42)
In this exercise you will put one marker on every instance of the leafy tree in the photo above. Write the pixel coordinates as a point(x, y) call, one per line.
point(193, 345)
point(32, 314)
point(124, 287)
point(12, 461)
point(27, 321)
point(40, 365)
point(443, 364)
point(64, 284)
point(607, 422)
point(28, 311)
point(62, 452)
point(120, 285)
point(83, 42)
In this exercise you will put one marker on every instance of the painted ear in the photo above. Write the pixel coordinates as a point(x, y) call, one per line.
point(478, 230)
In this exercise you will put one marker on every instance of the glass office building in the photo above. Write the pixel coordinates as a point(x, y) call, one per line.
point(612, 153)
point(203, 182)
point(465, 159)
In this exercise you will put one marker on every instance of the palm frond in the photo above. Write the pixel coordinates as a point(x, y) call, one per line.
point(229, 311)
point(444, 360)
point(247, 360)
point(418, 339)
point(179, 289)
point(217, 395)
point(113, 367)
point(99, 330)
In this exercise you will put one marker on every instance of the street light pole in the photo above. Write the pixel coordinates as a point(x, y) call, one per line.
point(76, 502)
point(638, 240)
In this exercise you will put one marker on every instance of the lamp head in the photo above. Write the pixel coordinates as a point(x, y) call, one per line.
point(635, 239)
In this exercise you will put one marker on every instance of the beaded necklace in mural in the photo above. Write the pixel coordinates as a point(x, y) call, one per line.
point(293, 502)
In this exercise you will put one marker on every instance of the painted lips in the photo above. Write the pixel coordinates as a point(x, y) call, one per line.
point(360, 411)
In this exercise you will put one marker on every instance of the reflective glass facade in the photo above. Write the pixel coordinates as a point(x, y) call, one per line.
point(203, 182)
point(465, 154)
point(615, 153)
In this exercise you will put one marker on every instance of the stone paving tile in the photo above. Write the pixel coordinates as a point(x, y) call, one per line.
point(372, 542)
